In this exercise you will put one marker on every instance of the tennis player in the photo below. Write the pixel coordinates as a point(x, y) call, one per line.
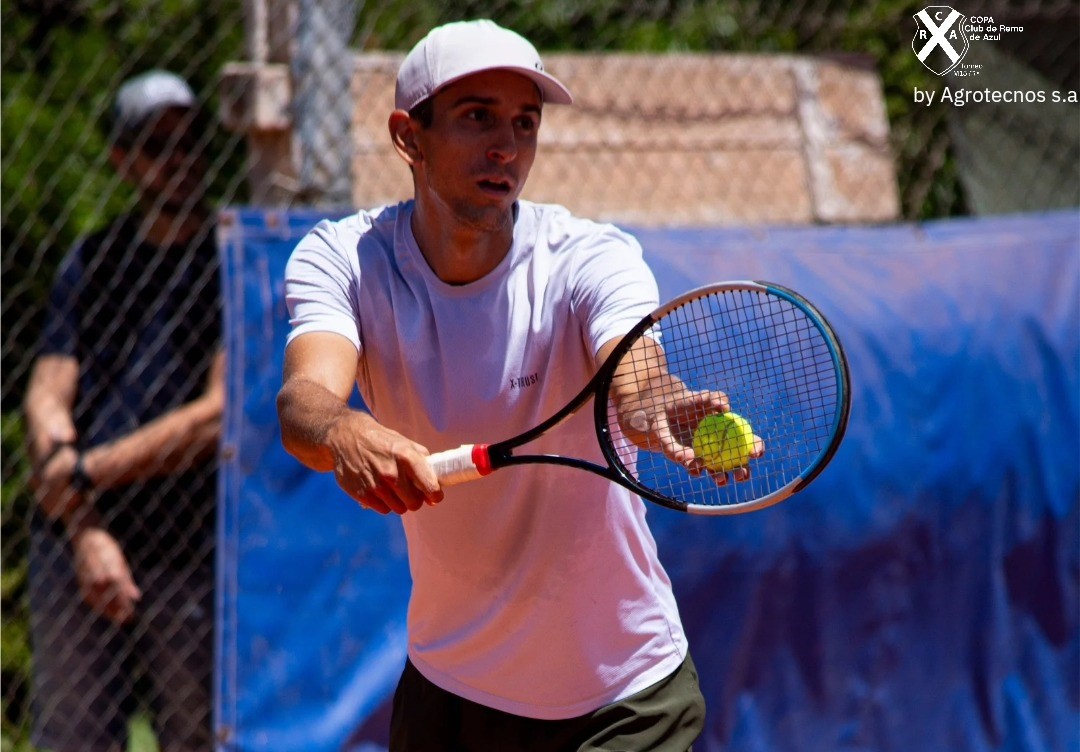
point(540, 616)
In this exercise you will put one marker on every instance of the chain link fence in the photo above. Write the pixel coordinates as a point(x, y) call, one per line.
point(62, 63)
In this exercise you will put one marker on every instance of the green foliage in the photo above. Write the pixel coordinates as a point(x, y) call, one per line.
point(14, 637)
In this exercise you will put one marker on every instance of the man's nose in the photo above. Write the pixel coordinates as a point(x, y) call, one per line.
point(503, 145)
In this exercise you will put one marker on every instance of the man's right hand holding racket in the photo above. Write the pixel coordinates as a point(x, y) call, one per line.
point(378, 467)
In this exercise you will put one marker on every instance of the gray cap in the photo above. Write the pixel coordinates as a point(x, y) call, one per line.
point(148, 93)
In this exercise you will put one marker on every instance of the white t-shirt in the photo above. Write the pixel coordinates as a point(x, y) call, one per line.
point(536, 590)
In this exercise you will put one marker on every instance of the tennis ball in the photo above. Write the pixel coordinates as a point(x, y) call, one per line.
point(724, 442)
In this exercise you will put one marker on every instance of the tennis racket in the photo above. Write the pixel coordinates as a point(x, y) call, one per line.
point(768, 349)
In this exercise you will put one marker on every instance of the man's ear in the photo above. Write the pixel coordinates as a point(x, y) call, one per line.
point(403, 134)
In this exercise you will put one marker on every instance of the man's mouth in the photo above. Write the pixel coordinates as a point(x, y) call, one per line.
point(497, 186)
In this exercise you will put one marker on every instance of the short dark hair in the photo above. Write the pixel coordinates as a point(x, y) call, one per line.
point(424, 113)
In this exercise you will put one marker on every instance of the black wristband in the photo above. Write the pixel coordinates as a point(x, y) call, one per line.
point(56, 449)
point(80, 481)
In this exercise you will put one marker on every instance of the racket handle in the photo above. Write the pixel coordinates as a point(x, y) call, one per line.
point(467, 462)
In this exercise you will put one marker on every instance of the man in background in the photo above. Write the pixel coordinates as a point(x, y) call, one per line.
point(123, 415)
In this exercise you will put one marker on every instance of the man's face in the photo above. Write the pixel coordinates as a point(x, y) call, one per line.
point(478, 151)
point(166, 162)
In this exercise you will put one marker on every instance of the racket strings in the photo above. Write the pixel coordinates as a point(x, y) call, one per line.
point(778, 371)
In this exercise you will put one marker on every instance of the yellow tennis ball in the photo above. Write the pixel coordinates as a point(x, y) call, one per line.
point(724, 442)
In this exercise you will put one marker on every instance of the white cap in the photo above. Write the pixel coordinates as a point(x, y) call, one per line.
point(460, 49)
point(146, 94)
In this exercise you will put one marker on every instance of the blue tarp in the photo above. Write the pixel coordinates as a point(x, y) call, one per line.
point(921, 595)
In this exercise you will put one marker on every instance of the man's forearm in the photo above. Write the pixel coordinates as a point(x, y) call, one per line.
point(307, 412)
point(174, 442)
point(641, 372)
point(50, 396)
point(50, 438)
point(171, 443)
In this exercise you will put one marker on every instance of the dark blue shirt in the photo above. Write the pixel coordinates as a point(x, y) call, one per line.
point(144, 323)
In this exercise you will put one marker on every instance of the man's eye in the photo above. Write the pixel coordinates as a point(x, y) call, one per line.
point(480, 116)
point(528, 124)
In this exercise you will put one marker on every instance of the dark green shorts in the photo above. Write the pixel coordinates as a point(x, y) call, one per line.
point(666, 717)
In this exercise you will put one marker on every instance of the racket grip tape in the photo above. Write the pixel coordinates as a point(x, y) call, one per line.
point(467, 462)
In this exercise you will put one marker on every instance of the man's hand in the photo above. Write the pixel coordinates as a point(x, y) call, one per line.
point(658, 413)
point(663, 416)
point(380, 468)
point(103, 574)
point(664, 419)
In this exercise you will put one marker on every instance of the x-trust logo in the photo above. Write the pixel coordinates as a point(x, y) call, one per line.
point(939, 32)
